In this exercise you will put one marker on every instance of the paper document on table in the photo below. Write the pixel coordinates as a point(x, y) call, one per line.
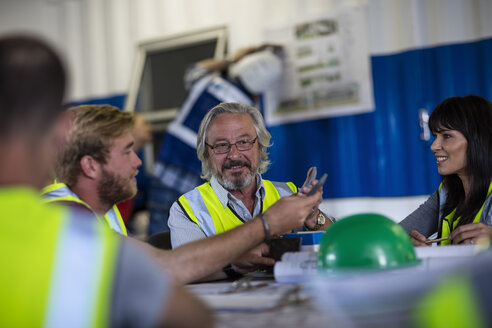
point(447, 251)
point(300, 257)
point(446, 257)
point(296, 267)
point(271, 295)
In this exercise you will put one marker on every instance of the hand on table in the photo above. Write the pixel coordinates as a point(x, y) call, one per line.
point(254, 259)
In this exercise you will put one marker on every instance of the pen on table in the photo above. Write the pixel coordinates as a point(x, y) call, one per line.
point(430, 241)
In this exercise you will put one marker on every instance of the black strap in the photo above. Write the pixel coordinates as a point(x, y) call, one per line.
point(439, 221)
point(234, 212)
point(239, 217)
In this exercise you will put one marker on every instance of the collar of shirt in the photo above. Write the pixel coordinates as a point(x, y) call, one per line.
point(225, 196)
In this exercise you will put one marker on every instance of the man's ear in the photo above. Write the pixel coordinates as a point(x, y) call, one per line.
point(90, 167)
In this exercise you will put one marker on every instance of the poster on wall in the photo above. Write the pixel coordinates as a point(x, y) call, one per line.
point(327, 67)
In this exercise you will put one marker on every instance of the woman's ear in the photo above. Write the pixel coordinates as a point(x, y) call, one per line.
point(90, 167)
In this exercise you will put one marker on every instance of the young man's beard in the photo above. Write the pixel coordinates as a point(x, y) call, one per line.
point(112, 189)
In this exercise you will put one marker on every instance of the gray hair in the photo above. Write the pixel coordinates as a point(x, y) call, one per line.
point(234, 108)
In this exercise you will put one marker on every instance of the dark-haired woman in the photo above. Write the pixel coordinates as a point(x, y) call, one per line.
point(461, 209)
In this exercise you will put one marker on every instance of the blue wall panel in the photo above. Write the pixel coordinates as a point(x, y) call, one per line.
point(380, 153)
point(115, 100)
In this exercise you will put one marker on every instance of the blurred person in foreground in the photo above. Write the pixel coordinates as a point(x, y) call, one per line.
point(96, 169)
point(461, 209)
point(61, 268)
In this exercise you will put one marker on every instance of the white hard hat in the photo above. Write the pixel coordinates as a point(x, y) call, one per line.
point(257, 71)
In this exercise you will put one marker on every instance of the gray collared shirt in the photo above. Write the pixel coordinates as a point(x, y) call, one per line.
point(183, 230)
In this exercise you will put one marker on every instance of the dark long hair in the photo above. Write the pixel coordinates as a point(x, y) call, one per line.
point(472, 116)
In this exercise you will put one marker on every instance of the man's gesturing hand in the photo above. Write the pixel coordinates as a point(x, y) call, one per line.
point(290, 212)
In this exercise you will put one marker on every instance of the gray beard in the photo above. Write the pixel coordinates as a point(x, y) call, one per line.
point(235, 185)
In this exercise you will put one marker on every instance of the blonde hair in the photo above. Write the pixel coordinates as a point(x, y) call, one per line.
point(93, 130)
point(234, 108)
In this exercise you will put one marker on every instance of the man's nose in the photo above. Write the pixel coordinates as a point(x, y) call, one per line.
point(136, 161)
point(234, 152)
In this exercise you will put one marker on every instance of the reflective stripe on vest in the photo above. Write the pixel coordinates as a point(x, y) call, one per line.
point(204, 208)
point(446, 225)
point(59, 192)
point(58, 270)
point(82, 273)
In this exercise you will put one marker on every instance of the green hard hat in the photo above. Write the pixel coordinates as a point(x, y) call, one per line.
point(365, 242)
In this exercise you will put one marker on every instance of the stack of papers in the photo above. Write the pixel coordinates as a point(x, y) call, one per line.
point(296, 267)
point(300, 267)
point(445, 257)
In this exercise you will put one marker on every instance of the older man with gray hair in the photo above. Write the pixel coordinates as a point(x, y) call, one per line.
point(232, 145)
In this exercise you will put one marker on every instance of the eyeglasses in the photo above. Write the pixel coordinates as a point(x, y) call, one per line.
point(225, 147)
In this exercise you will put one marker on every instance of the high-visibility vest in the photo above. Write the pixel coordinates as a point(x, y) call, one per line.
point(57, 270)
point(203, 207)
point(446, 221)
point(453, 302)
point(59, 192)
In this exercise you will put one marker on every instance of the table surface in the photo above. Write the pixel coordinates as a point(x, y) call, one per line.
point(302, 315)
point(363, 300)
point(298, 311)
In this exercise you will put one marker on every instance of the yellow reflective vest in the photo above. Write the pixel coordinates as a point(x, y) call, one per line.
point(60, 192)
point(452, 303)
point(449, 219)
point(203, 207)
point(57, 270)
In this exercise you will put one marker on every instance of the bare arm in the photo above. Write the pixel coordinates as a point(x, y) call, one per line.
point(197, 260)
point(217, 65)
point(214, 65)
point(184, 231)
point(250, 261)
